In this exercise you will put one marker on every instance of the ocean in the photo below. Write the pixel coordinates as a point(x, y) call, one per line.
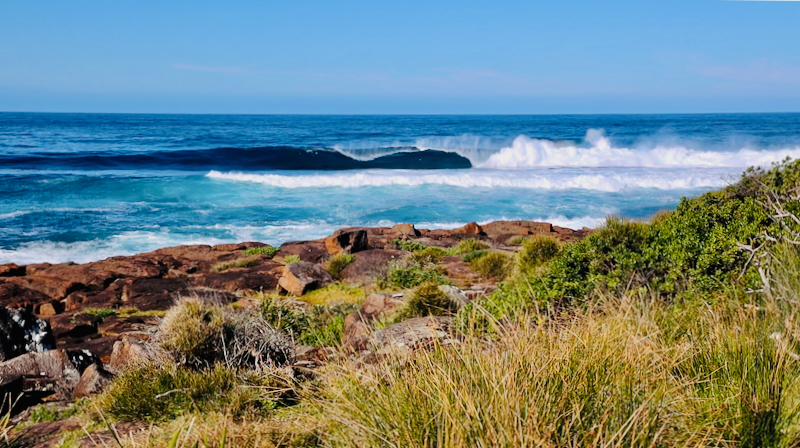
point(83, 187)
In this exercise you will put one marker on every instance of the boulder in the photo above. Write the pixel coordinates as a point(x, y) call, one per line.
point(51, 308)
point(347, 241)
point(11, 270)
point(52, 371)
point(21, 332)
point(455, 295)
point(93, 380)
point(301, 277)
point(310, 251)
point(14, 295)
point(471, 229)
point(357, 325)
point(405, 230)
point(369, 264)
point(412, 334)
point(130, 352)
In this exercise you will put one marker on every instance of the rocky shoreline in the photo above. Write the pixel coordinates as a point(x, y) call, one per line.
point(67, 328)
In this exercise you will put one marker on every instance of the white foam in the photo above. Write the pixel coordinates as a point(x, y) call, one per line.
point(13, 214)
point(525, 153)
point(601, 180)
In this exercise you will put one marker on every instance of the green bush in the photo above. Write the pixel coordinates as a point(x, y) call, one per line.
point(426, 299)
point(291, 258)
point(326, 325)
point(428, 256)
point(285, 316)
point(339, 262)
point(495, 265)
point(409, 246)
point(468, 245)
point(156, 393)
point(409, 276)
point(537, 251)
point(474, 255)
point(269, 251)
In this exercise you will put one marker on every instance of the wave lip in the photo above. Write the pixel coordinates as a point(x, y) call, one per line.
point(608, 181)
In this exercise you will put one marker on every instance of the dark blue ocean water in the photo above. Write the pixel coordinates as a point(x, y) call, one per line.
point(83, 187)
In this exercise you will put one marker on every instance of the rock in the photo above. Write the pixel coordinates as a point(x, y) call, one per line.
point(11, 270)
point(129, 352)
point(263, 277)
point(301, 277)
point(347, 241)
point(14, 295)
point(21, 332)
point(51, 308)
point(310, 251)
point(239, 246)
point(93, 380)
point(471, 229)
point(357, 326)
point(412, 334)
point(55, 371)
point(369, 264)
point(405, 229)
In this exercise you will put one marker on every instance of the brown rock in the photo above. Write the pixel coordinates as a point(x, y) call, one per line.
point(301, 277)
point(369, 264)
point(53, 369)
point(18, 296)
point(471, 229)
point(50, 308)
point(412, 334)
point(347, 241)
point(127, 352)
point(357, 325)
point(93, 380)
point(11, 270)
point(310, 251)
point(260, 278)
point(405, 229)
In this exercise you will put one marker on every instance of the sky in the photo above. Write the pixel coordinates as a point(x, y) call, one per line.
point(408, 57)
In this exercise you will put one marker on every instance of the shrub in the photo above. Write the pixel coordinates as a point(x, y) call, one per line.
point(192, 330)
point(468, 245)
point(339, 262)
point(335, 294)
point(284, 316)
point(403, 275)
point(426, 300)
point(161, 393)
point(269, 251)
point(291, 258)
point(238, 263)
point(427, 256)
point(409, 246)
point(326, 325)
point(537, 251)
point(494, 265)
point(474, 255)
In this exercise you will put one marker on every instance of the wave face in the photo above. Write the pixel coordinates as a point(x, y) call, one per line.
point(82, 187)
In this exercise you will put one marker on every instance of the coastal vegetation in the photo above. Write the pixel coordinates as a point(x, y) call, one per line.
point(681, 330)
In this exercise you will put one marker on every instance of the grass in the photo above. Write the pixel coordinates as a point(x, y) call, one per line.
point(291, 258)
point(335, 294)
point(403, 275)
point(426, 300)
point(494, 265)
point(269, 251)
point(246, 262)
point(338, 262)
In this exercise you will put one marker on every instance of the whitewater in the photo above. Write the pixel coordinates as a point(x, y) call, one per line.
point(82, 187)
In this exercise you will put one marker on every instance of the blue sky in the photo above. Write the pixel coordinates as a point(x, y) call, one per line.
point(400, 57)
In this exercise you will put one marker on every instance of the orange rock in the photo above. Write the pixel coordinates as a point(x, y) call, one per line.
point(471, 229)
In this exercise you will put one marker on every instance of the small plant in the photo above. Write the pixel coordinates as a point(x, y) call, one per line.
point(410, 275)
point(269, 251)
point(494, 265)
point(409, 246)
point(427, 256)
point(537, 251)
point(326, 325)
point(192, 330)
point(468, 245)
point(474, 255)
point(238, 263)
point(102, 313)
point(335, 294)
point(427, 299)
point(284, 316)
point(291, 258)
point(339, 262)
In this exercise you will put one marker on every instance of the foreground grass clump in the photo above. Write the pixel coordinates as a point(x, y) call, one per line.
point(426, 299)
point(339, 262)
point(269, 251)
point(318, 325)
point(626, 373)
point(154, 393)
point(247, 262)
point(494, 265)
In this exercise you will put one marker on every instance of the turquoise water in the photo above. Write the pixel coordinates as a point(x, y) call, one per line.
point(83, 187)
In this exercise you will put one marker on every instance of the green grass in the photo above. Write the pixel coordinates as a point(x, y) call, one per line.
point(238, 263)
point(338, 262)
point(269, 251)
point(493, 265)
point(426, 300)
point(409, 276)
point(409, 246)
point(468, 245)
point(291, 258)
